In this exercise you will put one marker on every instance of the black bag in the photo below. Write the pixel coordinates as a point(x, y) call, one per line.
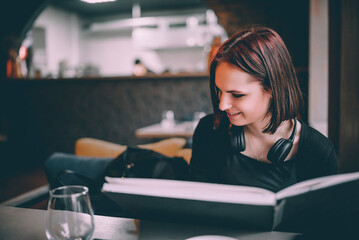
point(143, 163)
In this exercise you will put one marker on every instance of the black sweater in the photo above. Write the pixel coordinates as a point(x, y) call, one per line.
point(213, 160)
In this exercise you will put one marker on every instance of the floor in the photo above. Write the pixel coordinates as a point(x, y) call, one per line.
point(21, 182)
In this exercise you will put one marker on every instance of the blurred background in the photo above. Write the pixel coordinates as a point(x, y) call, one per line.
point(79, 39)
point(71, 69)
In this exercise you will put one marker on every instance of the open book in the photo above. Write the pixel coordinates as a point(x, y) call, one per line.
point(294, 208)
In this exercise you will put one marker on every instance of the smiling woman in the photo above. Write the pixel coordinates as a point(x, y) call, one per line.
point(256, 99)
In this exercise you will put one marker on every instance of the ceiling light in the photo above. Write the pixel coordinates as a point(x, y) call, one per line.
point(98, 1)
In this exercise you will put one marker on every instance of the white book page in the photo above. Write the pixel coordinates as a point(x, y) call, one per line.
point(316, 183)
point(191, 190)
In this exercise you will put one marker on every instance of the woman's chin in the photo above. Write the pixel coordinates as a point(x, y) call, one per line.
point(237, 122)
point(236, 119)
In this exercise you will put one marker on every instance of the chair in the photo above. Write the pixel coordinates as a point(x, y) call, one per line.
point(91, 147)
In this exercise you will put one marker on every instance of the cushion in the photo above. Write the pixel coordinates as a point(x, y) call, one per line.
point(185, 153)
point(91, 147)
point(168, 147)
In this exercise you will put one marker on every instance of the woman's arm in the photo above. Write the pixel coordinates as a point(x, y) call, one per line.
point(317, 157)
point(201, 165)
point(330, 163)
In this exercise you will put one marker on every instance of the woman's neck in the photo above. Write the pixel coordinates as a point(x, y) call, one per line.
point(259, 143)
point(255, 129)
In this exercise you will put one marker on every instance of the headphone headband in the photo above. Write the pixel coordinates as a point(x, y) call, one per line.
point(294, 132)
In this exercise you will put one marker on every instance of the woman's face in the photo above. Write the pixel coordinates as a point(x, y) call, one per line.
point(241, 95)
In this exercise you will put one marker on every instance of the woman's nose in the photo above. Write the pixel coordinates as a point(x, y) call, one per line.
point(224, 104)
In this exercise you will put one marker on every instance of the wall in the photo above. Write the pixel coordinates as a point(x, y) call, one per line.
point(349, 87)
point(62, 38)
point(197, 55)
point(112, 53)
point(47, 116)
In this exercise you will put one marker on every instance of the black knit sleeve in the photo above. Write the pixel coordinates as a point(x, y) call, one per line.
point(203, 152)
point(317, 157)
point(329, 165)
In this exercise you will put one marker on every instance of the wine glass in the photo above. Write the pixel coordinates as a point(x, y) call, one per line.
point(69, 214)
point(168, 119)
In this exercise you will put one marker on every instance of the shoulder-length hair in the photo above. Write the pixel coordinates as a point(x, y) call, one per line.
point(261, 52)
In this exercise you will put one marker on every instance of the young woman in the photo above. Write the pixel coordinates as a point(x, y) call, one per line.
point(253, 137)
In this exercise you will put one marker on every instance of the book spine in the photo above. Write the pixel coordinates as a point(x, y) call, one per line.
point(278, 213)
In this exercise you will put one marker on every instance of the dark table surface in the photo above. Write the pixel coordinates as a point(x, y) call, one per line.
point(29, 224)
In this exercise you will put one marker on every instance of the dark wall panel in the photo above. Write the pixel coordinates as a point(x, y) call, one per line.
point(46, 116)
point(349, 87)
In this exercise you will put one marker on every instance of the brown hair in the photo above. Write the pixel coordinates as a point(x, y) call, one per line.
point(261, 52)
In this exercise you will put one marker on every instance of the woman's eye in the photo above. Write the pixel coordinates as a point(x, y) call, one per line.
point(238, 95)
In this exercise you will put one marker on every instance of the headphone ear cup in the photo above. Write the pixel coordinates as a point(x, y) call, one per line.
point(279, 151)
point(237, 138)
point(241, 140)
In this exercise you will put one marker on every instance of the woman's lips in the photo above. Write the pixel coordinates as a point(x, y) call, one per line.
point(232, 115)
